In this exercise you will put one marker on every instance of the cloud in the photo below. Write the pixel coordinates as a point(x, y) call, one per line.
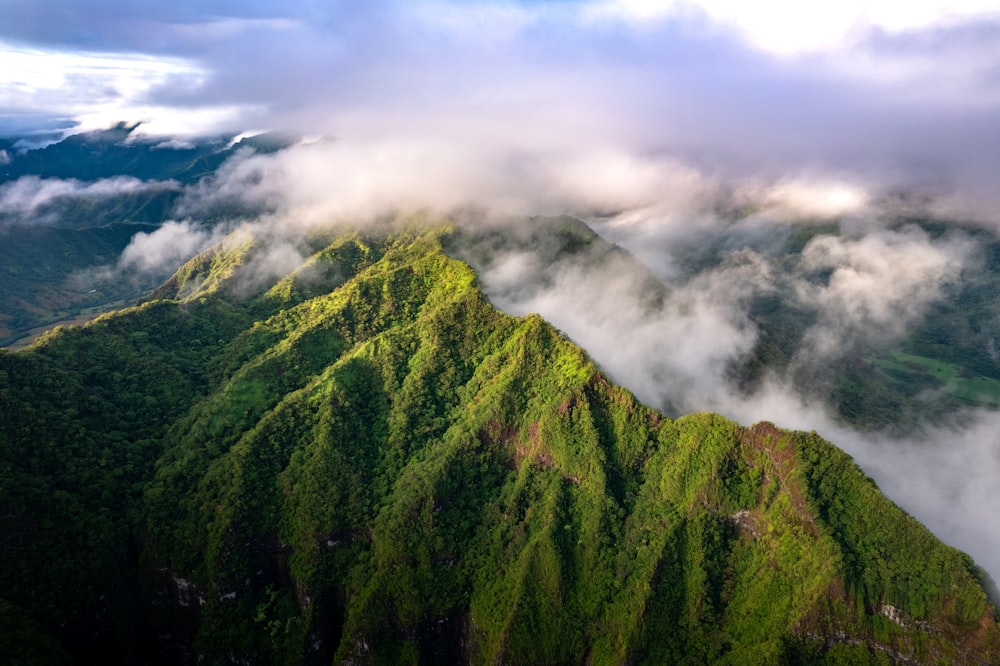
point(93, 88)
point(673, 354)
point(878, 285)
point(30, 199)
point(170, 245)
point(276, 251)
point(909, 98)
point(340, 180)
point(151, 257)
point(789, 29)
point(801, 196)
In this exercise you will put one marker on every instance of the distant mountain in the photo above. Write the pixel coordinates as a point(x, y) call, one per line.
point(364, 461)
point(119, 151)
point(73, 206)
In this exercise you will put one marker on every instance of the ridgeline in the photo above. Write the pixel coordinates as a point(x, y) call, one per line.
point(366, 462)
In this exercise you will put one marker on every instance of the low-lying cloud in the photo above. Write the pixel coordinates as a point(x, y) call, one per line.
point(154, 255)
point(33, 200)
point(671, 349)
point(338, 180)
point(878, 284)
point(163, 250)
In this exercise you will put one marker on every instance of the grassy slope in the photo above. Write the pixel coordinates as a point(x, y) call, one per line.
point(368, 462)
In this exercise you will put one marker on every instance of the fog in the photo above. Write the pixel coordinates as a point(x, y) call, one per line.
point(167, 247)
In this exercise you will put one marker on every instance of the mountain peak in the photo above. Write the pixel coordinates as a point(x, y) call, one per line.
point(370, 460)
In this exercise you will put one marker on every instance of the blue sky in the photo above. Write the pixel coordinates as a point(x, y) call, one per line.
point(905, 91)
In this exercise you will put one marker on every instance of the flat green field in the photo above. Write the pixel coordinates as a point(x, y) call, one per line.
point(974, 389)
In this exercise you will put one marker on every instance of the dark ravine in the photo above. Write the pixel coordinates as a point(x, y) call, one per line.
point(366, 462)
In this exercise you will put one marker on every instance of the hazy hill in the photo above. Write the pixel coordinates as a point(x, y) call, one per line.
point(118, 151)
point(365, 461)
point(69, 209)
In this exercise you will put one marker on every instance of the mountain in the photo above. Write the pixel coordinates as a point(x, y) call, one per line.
point(120, 151)
point(364, 461)
point(68, 210)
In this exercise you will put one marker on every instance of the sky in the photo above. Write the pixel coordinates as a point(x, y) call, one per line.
point(646, 114)
point(899, 93)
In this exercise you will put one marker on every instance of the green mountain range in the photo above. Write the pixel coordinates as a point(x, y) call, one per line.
point(365, 462)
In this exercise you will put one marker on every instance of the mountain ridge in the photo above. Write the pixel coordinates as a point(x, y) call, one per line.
point(370, 463)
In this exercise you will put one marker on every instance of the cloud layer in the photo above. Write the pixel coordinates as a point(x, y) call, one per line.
point(26, 195)
point(896, 95)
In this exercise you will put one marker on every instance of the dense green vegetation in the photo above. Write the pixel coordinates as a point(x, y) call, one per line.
point(366, 462)
point(41, 280)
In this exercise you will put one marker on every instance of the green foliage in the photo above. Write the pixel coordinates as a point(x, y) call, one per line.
point(365, 461)
point(44, 278)
point(889, 557)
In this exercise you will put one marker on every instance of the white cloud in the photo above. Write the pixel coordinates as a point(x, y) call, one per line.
point(788, 28)
point(316, 183)
point(101, 89)
point(29, 195)
point(167, 247)
point(798, 197)
point(878, 285)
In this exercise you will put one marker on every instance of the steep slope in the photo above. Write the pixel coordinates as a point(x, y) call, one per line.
point(366, 462)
